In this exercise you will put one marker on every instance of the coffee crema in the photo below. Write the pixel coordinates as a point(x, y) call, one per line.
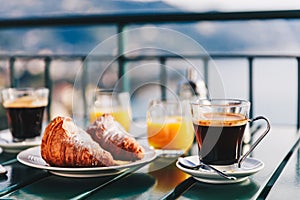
point(222, 119)
point(219, 137)
point(26, 102)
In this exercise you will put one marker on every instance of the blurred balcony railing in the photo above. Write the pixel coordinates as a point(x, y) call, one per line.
point(123, 20)
point(162, 59)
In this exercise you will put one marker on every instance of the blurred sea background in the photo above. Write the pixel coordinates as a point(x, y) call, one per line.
point(275, 80)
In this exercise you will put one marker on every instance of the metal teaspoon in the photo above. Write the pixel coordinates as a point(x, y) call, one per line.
point(190, 165)
point(2, 170)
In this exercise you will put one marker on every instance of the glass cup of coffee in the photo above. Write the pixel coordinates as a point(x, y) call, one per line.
point(219, 127)
point(169, 127)
point(25, 110)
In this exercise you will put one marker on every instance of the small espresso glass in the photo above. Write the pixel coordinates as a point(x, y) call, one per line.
point(219, 127)
point(25, 110)
point(169, 127)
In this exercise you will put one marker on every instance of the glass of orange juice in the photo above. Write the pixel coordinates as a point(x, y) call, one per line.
point(115, 103)
point(169, 127)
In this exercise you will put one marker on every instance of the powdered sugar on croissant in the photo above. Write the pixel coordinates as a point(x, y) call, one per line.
point(66, 145)
point(113, 138)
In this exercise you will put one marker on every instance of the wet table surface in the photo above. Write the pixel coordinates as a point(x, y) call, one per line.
point(287, 185)
point(161, 179)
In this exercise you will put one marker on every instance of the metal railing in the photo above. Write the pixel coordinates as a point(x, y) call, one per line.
point(123, 20)
point(162, 59)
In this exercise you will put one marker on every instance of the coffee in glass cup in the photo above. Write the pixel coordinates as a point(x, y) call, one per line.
point(25, 110)
point(219, 127)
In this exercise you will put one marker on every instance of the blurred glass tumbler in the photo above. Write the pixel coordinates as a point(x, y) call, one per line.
point(115, 103)
point(169, 126)
point(219, 126)
point(25, 110)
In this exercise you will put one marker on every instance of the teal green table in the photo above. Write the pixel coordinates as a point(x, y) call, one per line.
point(161, 179)
point(287, 186)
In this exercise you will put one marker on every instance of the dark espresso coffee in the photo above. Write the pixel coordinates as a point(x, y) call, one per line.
point(219, 137)
point(25, 117)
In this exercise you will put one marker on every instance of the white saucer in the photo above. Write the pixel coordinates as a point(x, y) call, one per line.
point(249, 167)
point(32, 158)
point(7, 144)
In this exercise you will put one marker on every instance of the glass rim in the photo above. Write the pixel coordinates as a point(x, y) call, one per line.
point(8, 95)
point(221, 103)
point(107, 90)
point(25, 89)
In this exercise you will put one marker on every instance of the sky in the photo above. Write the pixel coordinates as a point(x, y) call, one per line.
point(235, 5)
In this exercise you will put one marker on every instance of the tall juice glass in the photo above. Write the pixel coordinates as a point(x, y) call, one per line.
point(169, 127)
point(117, 104)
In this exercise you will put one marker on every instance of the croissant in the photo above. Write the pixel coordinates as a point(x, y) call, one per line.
point(113, 138)
point(66, 145)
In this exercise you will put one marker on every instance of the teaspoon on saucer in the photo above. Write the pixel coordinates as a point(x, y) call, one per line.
point(2, 170)
point(190, 165)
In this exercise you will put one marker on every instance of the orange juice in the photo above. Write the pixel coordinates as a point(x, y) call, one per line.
point(121, 115)
point(172, 133)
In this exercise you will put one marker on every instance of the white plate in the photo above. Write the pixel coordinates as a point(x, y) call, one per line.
point(32, 158)
point(7, 144)
point(249, 167)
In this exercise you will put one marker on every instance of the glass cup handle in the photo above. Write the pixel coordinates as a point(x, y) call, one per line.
point(258, 140)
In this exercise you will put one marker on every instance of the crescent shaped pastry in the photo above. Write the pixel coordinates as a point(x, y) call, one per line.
point(113, 138)
point(66, 145)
